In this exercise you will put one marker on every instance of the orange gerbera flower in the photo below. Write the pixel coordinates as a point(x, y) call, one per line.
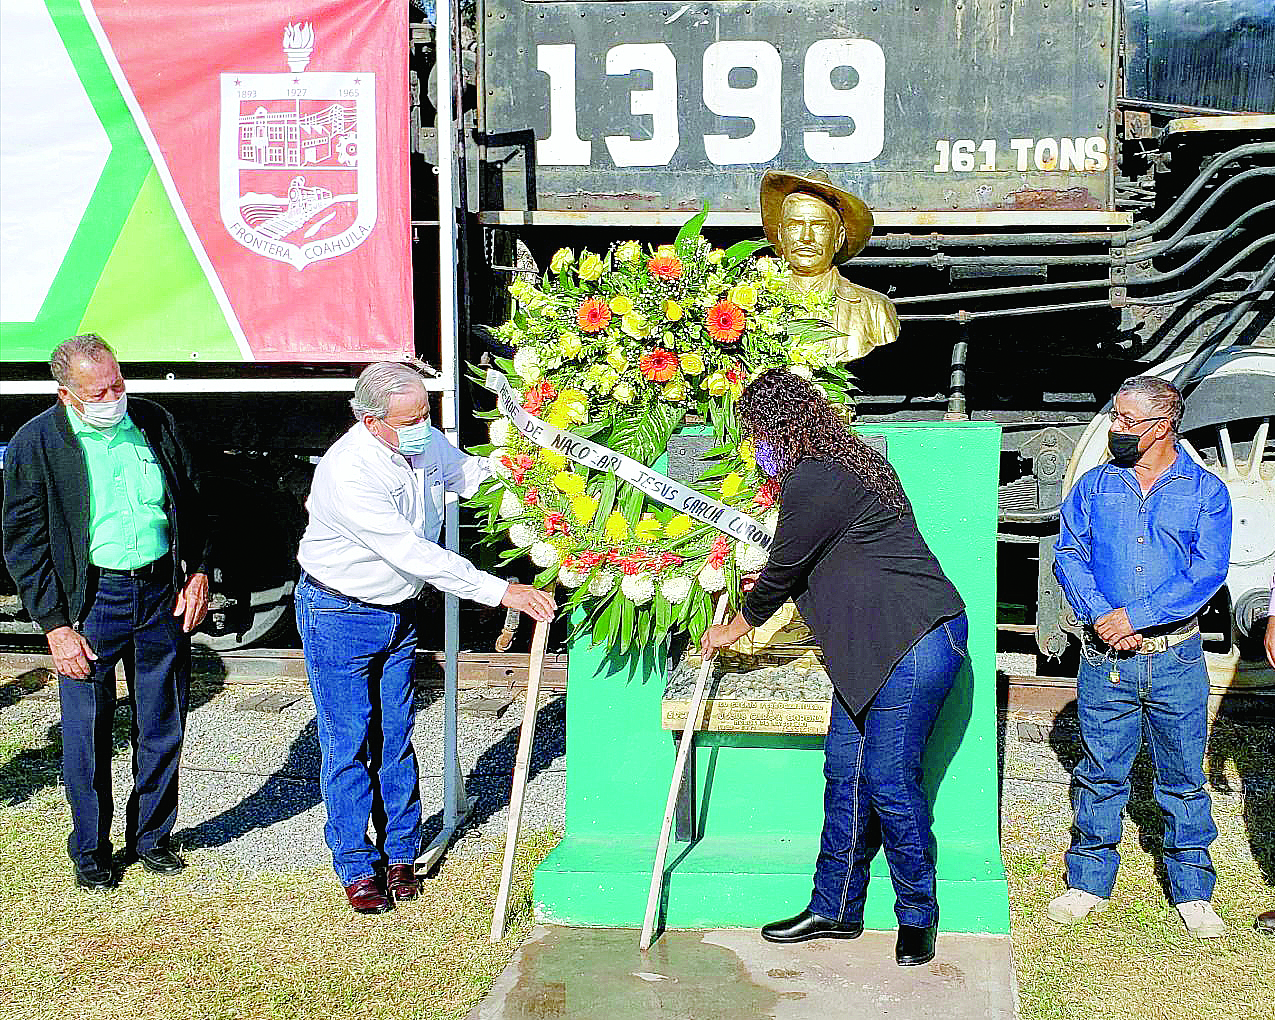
point(593, 315)
point(659, 365)
point(669, 267)
point(725, 322)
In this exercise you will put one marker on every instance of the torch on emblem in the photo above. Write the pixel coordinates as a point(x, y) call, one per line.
point(298, 44)
point(298, 157)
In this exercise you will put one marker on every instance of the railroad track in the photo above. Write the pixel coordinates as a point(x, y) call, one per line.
point(488, 672)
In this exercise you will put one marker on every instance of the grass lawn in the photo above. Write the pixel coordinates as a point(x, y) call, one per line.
point(214, 943)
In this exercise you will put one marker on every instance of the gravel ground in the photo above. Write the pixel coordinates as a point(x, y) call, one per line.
point(250, 779)
point(250, 789)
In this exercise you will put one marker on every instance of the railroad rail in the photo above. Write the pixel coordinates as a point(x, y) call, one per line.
point(485, 673)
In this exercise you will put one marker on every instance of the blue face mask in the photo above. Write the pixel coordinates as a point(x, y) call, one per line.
point(414, 439)
point(764, 454)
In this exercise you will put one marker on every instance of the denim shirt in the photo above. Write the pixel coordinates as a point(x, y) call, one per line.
point(1160, 557)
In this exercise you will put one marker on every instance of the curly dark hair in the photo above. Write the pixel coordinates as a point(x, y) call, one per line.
point(797, 421)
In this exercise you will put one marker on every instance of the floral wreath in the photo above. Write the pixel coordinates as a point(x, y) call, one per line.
point(620, 348)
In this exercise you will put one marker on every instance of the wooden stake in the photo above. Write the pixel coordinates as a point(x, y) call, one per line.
point(683, 752)
point(518, 791)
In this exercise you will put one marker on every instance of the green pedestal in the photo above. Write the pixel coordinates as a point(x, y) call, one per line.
point(759, 798)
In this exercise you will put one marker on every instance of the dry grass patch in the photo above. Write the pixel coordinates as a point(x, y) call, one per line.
point(212, 943)
point(1137, 961)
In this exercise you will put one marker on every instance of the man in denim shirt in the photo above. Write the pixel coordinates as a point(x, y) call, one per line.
point(1145, 542)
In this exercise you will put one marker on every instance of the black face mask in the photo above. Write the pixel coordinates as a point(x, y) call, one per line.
point(1124, 448)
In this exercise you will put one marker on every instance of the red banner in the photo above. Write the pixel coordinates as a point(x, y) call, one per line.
point(282, 131)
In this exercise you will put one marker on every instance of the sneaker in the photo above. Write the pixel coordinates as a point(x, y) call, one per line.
point(1201, 919)
point(1075, 905)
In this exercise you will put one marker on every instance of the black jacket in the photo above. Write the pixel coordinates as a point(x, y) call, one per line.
point(863, 578)
point(46, 510)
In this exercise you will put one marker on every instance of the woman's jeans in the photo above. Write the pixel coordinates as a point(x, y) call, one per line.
point(359, 659)
point(874, 793)
point(1163, 695)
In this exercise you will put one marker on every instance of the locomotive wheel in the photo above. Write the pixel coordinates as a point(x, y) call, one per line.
point(1227, 429)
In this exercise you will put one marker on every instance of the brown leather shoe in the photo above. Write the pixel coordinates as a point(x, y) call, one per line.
point(401, 882)
point(365, 897)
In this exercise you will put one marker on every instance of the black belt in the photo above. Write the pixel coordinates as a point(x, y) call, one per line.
point(161, 567)
point(313, 583)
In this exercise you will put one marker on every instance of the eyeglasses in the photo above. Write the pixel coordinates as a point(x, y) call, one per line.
point(1120, 418)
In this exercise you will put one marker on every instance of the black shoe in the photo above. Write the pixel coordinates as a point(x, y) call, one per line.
point(915, 946)
point(162, 860)
point(93, 876)
point(806, 926)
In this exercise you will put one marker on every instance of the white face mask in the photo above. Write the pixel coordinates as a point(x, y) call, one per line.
point(103, 414)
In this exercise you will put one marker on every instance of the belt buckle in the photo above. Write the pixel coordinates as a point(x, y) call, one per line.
point(1155, 645)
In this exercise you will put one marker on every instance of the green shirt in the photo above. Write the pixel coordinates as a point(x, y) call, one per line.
point(127, 524)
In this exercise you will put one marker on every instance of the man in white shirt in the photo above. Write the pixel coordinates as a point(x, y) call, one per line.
point(371, 546)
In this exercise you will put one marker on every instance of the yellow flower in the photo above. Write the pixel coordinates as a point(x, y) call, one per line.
point(617, 360)
point(573, 405)
point(562, 258)
point(591, 266)
point(558, 418)
point(675, 391)
point(621, 305)
point(666, 251)
point(616, 528)
point(569, 482)
point(646, 529)
point(746, 454)
point(629, 251)
point(571, 345)
point(672, 310)
point(583, 508)
point(731, 485)
point(744, 295)
point(634, 325)
point(714, 257)
point(678, 526)
point(692, 364)
point(556, 461)
point(623, 393)
point(717, 384)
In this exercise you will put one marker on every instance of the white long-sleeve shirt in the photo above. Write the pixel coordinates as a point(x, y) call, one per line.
point(375, 518)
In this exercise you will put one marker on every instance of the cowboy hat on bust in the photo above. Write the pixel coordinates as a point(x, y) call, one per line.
point(777, 185)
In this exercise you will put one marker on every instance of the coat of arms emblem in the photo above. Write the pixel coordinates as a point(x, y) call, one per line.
point(298, 157)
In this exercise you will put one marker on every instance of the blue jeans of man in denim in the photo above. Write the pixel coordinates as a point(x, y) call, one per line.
point(359, 660)
point(1163, 695)
point(873, 793)
point(129, 618)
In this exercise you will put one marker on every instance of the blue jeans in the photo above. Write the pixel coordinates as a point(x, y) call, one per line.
point(129, 618)
point(359, 660)
point(873, 796)
point(1165, 696)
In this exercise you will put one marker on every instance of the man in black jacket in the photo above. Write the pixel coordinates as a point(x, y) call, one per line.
point(105, 536)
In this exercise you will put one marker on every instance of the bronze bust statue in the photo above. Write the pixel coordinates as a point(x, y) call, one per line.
point(814, 227)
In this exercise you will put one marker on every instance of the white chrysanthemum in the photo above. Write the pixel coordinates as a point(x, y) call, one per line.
point(500, 432)
point(543, 554)
point(527, 364)
point(522, 535)
point(603, 581)
point(771, 521)
point(638, 588)
point(711, 579)
point(510, 505)
point(493, 462)
point(675, 589)
point(751, 558)
point(572, 578)
point(801, 370)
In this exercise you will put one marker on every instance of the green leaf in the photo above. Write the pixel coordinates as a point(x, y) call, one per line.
point(690, 231)
point(644, 436)
point(626, 624)
point(740, 252)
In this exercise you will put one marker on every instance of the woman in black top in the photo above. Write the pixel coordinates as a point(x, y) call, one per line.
point(892, 630)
